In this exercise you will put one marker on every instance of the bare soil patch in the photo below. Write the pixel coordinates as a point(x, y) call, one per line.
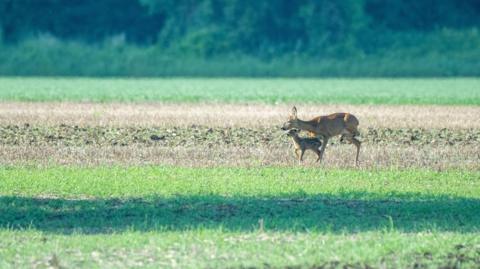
point(194, 135)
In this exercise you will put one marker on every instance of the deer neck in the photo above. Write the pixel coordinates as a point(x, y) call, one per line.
point(306, 125)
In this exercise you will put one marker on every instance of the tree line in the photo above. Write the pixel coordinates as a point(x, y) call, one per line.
point(262, 28)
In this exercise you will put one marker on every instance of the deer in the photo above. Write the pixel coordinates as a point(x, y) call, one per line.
point(326, 127)
point(304, 143)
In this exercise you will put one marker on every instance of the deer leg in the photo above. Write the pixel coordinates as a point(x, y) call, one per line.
point(357, 144)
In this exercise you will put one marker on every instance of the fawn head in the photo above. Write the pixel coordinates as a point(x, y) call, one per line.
point(292, 132)
point(292, 121)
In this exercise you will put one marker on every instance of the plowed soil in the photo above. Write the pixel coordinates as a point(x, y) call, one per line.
point(71, 135)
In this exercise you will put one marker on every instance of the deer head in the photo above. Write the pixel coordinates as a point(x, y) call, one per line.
point(292, 121)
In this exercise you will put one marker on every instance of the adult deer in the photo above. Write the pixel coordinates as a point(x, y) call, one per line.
point(326, 127)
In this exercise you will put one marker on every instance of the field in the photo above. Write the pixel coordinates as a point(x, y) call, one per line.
point(196, 173)
point(462, 91)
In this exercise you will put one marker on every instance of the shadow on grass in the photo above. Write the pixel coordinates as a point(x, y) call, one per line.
point(327, 213)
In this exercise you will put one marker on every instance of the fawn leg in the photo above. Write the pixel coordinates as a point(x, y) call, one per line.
point(318, 155)
point(296, 154)
point(322, 149)
point(301, 155)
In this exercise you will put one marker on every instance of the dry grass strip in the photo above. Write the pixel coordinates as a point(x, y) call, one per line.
point(341, 156)
point(224, 115)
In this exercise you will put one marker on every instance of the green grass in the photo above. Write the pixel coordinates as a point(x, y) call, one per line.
point(220, 249)
point(455, 91)
point(211, 217)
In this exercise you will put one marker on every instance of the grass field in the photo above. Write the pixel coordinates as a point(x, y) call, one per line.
point(459, 91)
point(195, 173)
point(164, 213)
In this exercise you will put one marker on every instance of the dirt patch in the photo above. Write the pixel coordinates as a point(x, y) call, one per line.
point(72, 135)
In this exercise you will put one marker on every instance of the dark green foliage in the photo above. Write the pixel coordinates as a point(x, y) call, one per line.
point(317, 38)
point(423, 15)
point(251, 26)
point(88, 20)
point(451, 53)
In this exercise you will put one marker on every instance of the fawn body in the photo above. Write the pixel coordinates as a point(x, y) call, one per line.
point(326, 127)
point(304, 143)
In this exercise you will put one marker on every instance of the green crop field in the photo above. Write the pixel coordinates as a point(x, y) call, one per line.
point(193, 217)
point(196, 173)
point(459, 91)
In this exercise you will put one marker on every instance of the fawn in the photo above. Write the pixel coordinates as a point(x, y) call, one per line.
point(304, 143)
point(328, 126)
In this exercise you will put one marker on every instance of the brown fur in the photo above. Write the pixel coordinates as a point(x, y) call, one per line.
point(326, 127)
point(303, 144)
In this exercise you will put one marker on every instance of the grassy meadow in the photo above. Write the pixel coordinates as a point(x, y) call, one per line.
point(270, 214)
point(195, 173)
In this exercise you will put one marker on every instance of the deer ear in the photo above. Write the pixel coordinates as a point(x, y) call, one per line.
point(294, 112)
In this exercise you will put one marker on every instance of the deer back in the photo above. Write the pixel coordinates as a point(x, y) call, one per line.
point(336, 124)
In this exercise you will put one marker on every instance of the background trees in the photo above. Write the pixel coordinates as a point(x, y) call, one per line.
point(207, 27)
point(262, 29)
